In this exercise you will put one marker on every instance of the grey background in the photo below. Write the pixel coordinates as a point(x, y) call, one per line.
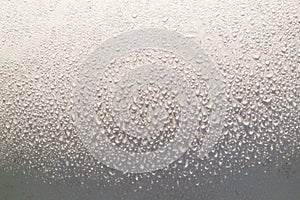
point(274, 185)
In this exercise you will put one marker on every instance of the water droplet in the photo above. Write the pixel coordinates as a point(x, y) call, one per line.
point(256, 55)
point(134, 15)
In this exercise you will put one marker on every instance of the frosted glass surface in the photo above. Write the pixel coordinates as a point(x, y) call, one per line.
point(149, 99)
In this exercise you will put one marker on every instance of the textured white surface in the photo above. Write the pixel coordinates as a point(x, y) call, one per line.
point(255, 45)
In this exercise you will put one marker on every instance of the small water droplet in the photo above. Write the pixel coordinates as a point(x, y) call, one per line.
point(134, 15)
point(256, 55)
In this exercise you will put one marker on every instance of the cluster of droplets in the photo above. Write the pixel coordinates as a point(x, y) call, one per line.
point(262, 121)
point(261, 126)
point(150, 105)
point(142, 111)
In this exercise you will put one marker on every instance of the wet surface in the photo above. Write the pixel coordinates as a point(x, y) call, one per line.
point(56, 124)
